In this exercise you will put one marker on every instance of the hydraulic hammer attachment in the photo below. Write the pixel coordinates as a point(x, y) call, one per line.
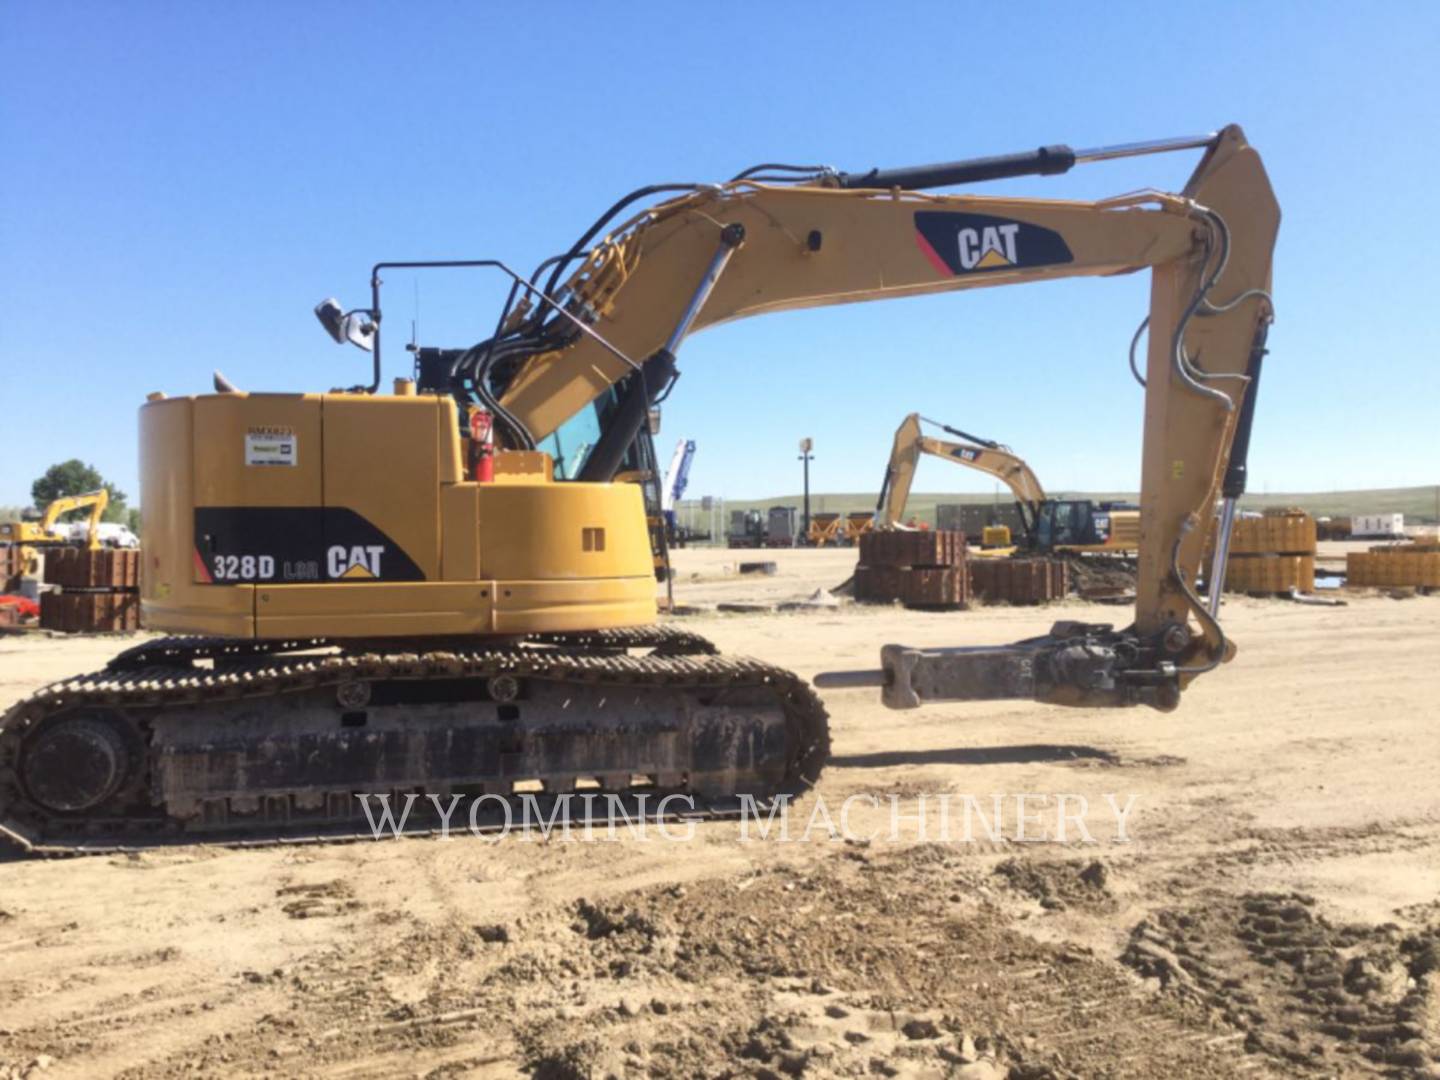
point(1085, 664)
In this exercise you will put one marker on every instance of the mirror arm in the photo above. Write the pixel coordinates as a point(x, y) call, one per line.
point(375, 321)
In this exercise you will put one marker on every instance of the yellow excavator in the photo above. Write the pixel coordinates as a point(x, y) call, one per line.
point(1050, 525)
point(445, 591)
point(31, 535)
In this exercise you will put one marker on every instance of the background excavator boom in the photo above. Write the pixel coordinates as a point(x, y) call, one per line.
point(982, 454)
point(1050, 525)
point(97, 501)
point(42, 531)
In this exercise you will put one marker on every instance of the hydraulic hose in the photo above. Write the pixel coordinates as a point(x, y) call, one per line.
point(580, 245)
point(1187, 373)
point(1134, 341)
point(1198, 608)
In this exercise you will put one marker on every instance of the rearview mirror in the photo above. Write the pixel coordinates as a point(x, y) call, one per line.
point(352, 326)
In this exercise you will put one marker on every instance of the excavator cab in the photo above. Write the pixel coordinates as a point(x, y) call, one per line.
point(1070, 522)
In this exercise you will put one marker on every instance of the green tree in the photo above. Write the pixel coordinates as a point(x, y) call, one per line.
point(74, 477)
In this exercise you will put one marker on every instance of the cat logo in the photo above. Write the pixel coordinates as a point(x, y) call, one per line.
point(354, 563)
point(959, 244)
point(988, 248)
point(965, 453)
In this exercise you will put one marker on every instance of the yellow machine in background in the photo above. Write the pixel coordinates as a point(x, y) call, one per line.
point(840, 530)
point(42, 531)
point(857, 524)
point(447, 591)
point(996, 536)
point(825, 528)
point(39, 534)
point(1051, 525)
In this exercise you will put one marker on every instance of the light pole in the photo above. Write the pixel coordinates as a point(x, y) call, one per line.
point(805, 456)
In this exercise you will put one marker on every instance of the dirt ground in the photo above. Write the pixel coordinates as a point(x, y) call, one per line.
point(1268, 907)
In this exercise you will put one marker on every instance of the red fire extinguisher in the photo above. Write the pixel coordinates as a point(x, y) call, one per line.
point(482, 445)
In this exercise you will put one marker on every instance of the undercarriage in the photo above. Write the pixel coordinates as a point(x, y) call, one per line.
point(213, 739)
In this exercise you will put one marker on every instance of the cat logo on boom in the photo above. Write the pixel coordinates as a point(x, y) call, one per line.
point(990, 247)
point(959, 244)
point(352, 563)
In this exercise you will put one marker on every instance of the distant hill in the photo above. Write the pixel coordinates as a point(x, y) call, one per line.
point(1420, 505)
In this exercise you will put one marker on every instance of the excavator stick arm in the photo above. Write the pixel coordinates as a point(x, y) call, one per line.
point(899, 473)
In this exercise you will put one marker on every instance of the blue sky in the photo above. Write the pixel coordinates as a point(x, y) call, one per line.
point(180, 183)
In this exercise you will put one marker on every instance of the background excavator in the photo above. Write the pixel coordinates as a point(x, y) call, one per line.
point(33, 535)
point(446, 589)
point(1049, 525)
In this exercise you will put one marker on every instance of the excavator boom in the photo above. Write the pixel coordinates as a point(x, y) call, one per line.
point(97, 501)
point(721, 253)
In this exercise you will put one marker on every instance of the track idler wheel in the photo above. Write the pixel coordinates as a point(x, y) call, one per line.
point(74, 764)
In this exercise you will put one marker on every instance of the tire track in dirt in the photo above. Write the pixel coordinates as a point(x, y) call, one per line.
point(894, 963)
point(1313, 994)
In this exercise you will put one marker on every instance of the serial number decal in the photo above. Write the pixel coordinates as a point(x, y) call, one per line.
point(264, 568)
point(271, 446)
point(244, 567)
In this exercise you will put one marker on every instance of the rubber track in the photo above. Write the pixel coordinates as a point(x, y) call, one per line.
point(142, 682)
